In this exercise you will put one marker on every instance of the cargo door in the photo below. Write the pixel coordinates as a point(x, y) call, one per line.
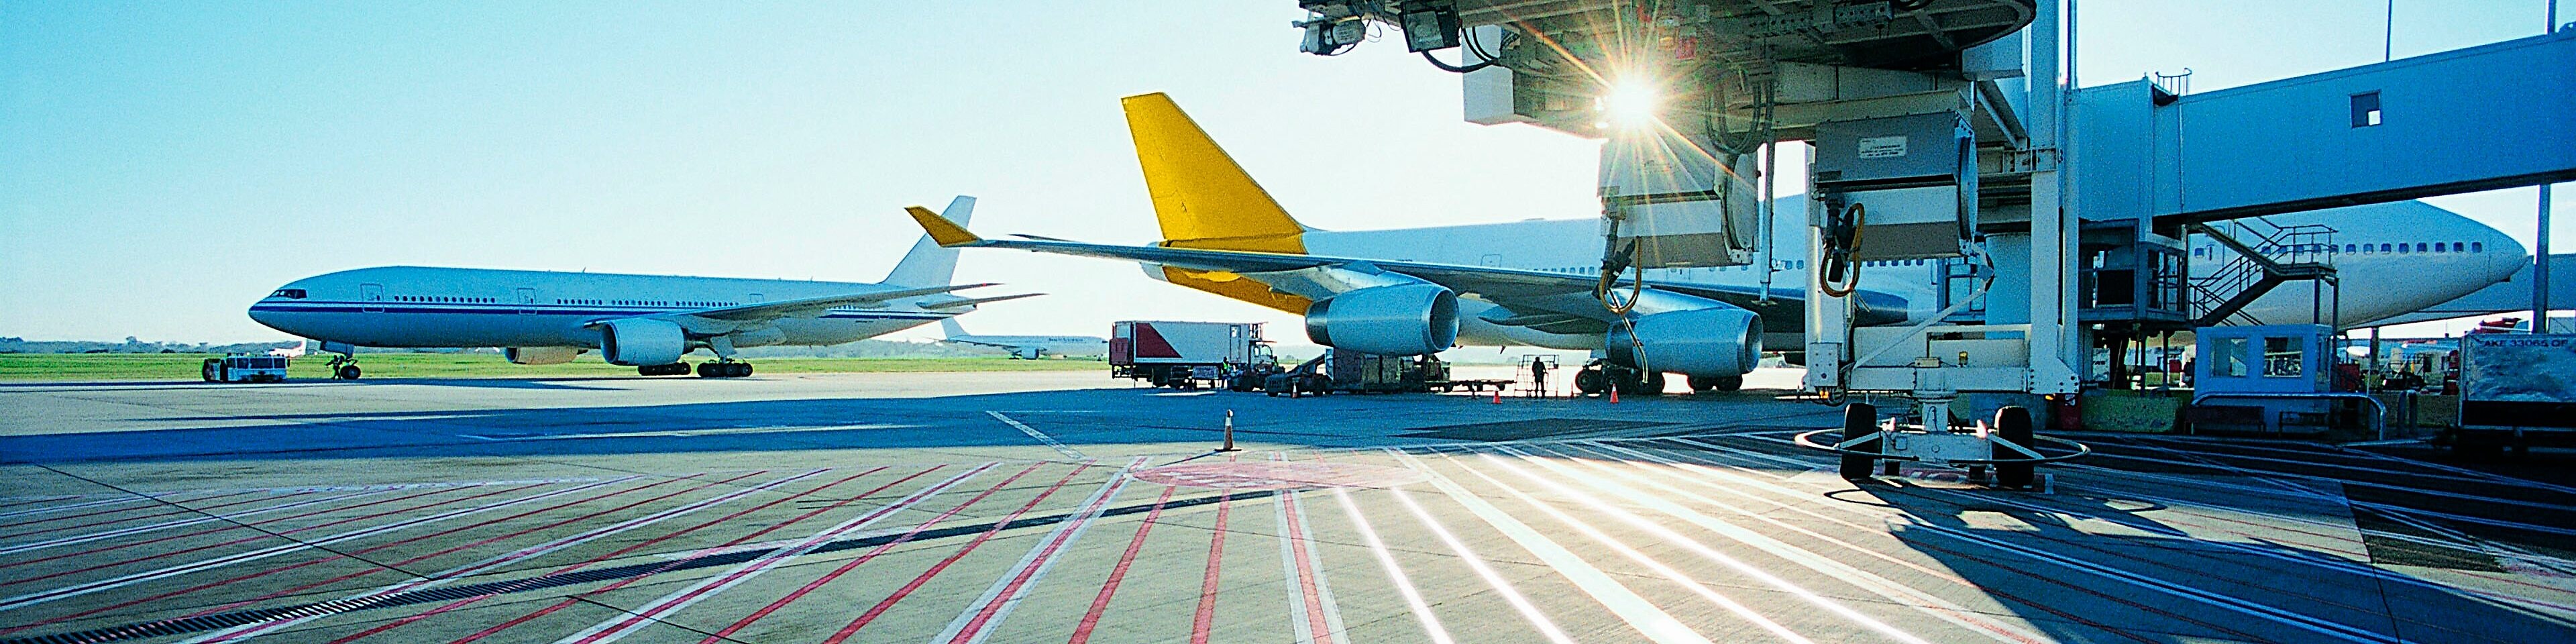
point(371, 297)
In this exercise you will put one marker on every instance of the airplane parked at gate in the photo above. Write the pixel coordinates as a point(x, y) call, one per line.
point(1532, 283)
point(645, 321)
point(1029, 347)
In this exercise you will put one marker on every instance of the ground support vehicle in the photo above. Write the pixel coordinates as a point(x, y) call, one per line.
point(2516, 390)
point(2002, 455)
point(245, 368)
point(1185, 355)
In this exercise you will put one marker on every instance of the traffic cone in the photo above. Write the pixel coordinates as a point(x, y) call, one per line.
point(1614, 394)
point(1498, 395)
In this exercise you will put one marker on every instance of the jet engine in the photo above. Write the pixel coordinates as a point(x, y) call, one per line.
point(1700, 342)
point(1027, 353)
point(640, 342)
point(539, 355)
point(1400, 320)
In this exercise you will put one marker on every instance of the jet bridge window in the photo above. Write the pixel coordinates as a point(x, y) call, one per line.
point(2365, 109)
point(2282, 357)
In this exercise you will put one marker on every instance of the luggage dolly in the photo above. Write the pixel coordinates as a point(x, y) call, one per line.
point(2005, 449)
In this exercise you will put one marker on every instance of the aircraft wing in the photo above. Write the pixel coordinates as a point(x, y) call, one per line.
point(1546, 301)
point(979, 343)
point(725, 318)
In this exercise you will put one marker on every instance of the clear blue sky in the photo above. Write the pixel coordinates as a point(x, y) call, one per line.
point(162, 165)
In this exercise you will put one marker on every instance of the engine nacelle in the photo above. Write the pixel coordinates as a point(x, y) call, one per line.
point(640, 342)
point(1400, 320)
point(1700, 342)
point(1028, 353)
point(539, 355)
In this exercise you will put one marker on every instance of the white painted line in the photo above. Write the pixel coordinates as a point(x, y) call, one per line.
point(621, 626)
point(1676, 576)
point(976, 623)
point(679, 433)
point(368, 598)
point(1640, 614)
point(76, 590)
point(122, 532)
point(1300, 565)
point(1050, 441)
point(1501, 586)
point(1403, 585)
point(89, 504)
point(1731, 531)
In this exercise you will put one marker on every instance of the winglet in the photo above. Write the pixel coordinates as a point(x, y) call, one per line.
point(946, 232)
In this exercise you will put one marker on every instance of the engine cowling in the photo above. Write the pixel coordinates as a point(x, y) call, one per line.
point(1699, 342)
point(642, 342)
point(539, 355)
point(1401, 320)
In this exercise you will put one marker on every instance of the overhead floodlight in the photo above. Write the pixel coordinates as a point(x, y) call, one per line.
point(1429, 29)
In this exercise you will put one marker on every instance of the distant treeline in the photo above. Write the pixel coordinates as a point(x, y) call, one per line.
point(859, 349)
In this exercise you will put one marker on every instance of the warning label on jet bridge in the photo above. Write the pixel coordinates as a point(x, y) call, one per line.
point(1881, 147)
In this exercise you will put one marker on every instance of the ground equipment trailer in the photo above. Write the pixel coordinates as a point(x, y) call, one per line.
point(2516, 390)
point(1185, 355)
point(245, 368)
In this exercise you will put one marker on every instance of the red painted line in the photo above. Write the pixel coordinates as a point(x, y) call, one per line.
point(1045, 556)
point(846, 567)
point(623, 551)
point(924, 578)
point(171, 511)
point(272, 571)
point(1306, 577)
point(496, 628)
point(1100, 604)
point(251, 538)
point(1207, 587)
point(235, 526)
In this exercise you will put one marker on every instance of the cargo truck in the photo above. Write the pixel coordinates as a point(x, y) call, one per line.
point(1186, 355)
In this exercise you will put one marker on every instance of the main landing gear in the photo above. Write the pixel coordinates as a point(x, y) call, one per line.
point(344, 366)
point(1717, 383)
point(1597, 379)
point(724, 369)
point(673, 369)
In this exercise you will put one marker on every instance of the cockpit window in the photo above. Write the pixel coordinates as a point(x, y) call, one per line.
point(289, 293)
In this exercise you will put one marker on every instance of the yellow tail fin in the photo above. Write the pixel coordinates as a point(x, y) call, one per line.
point(1202, 198)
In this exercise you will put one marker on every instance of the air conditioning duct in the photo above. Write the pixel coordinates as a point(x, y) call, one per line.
point(539, 355)
point(1400, 320)
point(639, 342)
point(1700, 342)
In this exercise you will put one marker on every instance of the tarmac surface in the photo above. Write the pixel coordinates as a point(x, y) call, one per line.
point(1066, 507)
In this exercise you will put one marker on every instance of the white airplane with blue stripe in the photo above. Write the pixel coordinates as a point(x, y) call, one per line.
point(645, 321)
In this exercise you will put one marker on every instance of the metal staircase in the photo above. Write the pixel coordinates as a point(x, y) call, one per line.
point(2267, 256)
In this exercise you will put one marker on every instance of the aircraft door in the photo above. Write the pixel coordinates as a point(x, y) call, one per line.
point(372, 297)
point(527, 301)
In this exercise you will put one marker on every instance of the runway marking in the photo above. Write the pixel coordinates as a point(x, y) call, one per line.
point(1721, 600)
point(1313, 615)
point(679, 433)
point(1511, 595)
point(367, 598)
point(619, 627)
point(1100, 604)
point(1431, 627)
point(888, 603)
point(853, 563)
point(1205, 618)
point(15, 501)
point(122, 532)
point(93, 504)
point(1640, 614)
point(173, 553)
point(74, 506)
point(256, 575)
point(179, 509)
point(1050, 441)
point(634, 547)
point(1900, 516)
point(76, 590)
point(973, 625)
point(1895, 592)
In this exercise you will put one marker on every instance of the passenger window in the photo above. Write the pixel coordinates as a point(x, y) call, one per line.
point(2477, 247)
point(2419, 247)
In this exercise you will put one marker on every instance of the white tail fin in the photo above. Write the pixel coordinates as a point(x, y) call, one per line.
point(950, 325)
point(928, 264)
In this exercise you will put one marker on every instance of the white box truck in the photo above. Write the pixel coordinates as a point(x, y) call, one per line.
point(1185, 355)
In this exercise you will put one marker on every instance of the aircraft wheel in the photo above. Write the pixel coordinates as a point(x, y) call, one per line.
point(1730, 383)
point(708, 370)
point(1655, 384)
point(1591, 381)
point(1859, 419)
point(2013, 424)
point(209, 371)
point(347, 372)
point(1703, 383)
point(742, 370)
